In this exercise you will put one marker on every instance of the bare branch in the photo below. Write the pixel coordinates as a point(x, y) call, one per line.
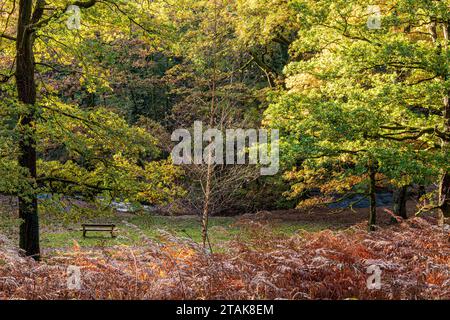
point(3, 35)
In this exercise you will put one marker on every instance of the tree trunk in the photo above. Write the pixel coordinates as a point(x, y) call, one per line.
point(210, 166)
point(444, 197)
point(399, 207)
point(26, 90)
point(206, 209)
point(373, 199)
point(444, 186)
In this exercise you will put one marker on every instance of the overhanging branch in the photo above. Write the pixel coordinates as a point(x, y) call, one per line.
point(72, 182)
point(8, 37)
point(38, 23)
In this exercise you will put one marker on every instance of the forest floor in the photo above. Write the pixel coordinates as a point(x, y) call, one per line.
point(289, 254)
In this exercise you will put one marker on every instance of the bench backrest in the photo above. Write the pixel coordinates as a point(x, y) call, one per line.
point(98, 225)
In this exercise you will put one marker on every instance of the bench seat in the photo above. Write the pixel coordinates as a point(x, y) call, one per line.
point(111, 228)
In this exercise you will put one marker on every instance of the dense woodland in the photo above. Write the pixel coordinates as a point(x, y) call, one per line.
point(87, 113)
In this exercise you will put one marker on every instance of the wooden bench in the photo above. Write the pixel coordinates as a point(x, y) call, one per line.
point(111, 228)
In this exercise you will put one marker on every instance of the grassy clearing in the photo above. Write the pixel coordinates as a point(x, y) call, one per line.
point(221, 229)
point(55, 235)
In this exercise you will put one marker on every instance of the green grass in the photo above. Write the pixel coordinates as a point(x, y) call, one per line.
point(221, 229)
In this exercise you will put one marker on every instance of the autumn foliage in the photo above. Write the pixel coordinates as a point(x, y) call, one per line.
point(414, 257)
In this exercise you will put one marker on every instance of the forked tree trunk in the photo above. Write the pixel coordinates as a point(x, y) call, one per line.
point(372, 195)
point(26, 91)
point(399, 206)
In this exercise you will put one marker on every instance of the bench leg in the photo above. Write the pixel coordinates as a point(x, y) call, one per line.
point(84, 233)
